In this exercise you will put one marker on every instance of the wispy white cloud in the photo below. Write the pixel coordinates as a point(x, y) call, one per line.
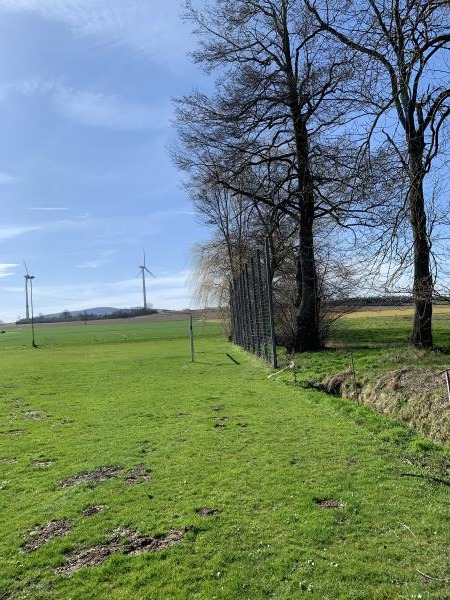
point(100, 110)
point(148, 27)
point(91, 108)
point(50, 208)
point(5, 269)
point(10, 232)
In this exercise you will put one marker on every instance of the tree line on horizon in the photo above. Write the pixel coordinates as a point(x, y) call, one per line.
point(325, 132)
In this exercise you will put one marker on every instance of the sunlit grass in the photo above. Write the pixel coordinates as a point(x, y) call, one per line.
point(213, 434)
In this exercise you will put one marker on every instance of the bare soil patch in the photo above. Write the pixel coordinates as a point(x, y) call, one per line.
point(125, 541)
point(93, 510)
point(97, 476)
point(44, 533)
point(35, 415)
point(7, 461)
point(207, 512)
point(43, 464)
point(138, 475)
point(328, 503)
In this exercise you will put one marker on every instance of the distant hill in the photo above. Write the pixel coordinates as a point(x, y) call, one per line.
point(101, 311)
point(90, 314)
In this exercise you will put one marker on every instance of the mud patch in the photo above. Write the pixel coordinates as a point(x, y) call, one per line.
point(43, 464)
point(124, 541)
point(93, 510)
point(207, 512)
point(34, 415)
point(44, 533)
point(138, 475)
point(328, 503)
point(97, 476)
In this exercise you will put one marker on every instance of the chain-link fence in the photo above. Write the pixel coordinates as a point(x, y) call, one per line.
point(251, 308)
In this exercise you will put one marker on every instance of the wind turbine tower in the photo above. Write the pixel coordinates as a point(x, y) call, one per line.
point(28, 278)
point(143, 269)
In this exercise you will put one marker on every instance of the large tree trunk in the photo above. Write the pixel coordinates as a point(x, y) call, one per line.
point(307, 338)
point(421, 335)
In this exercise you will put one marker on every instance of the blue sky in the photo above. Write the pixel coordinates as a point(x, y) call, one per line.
point(85, 176)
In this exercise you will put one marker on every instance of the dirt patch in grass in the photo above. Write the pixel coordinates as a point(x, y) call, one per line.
point(125, 541)
point(97, 476)
point(138, 475)
point(43, 464)
point(328, 503)
point(207, 512)
point(44, 533)
point(7, 461)
point(34, 415)
point(93, 510)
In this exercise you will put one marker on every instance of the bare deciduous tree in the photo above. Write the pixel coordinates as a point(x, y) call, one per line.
point(406, 94)
point(275, 107)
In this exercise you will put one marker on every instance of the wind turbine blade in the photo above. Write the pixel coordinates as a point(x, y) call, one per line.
point(148, 271)
point(143, 252)
point(26, 268)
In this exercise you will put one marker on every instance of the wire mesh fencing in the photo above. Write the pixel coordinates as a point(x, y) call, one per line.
point(251, 308)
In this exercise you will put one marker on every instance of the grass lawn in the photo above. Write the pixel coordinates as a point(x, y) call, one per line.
point(269, 490)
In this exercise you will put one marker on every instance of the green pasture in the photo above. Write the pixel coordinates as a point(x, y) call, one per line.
point(309, 496)
point(376, 345)
point(99, 333)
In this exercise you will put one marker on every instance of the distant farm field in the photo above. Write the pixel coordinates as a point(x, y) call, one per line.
point(127, 472)
point(394, 311)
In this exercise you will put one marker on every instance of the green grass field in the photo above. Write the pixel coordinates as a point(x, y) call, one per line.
point(308, 495)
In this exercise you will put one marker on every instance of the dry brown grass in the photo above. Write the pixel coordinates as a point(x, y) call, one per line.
point(415, 395)
point(392, 311)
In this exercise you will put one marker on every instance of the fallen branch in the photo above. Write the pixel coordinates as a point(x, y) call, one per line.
point(408, 529)
point(432, 578)
point(290, 366)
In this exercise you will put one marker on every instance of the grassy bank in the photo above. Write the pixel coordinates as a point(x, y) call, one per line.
point(205, 480)
point(368, 361)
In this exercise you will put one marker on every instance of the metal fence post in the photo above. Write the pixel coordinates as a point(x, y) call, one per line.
point(191, 337)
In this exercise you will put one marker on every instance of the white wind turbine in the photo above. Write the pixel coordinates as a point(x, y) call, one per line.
point(28, 278)
point(143, 269)
point(28, 303)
